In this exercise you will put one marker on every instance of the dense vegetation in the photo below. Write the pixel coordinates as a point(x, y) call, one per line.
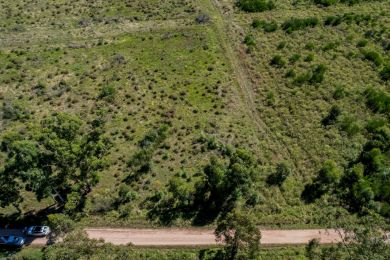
point(167, 112)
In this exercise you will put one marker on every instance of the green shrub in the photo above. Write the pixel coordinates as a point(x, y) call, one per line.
point(330, 46)
point(302, 79)
point(294, 24)
point(385, 72)
point(309, 58)
point(333, 20)
point(339, 92)
point(294, 58)
point(280, 175)
point(332, 116)
point(249, 40)
point(373, 56)
point(281, 45)
point(318, 74)
point(278, 61)
point(255, 5)
point(325, 2)
point(15, 110)
point(270, 98)
point(310, 46)
point(349, 125)
point(266, 26)
point(290, 73)
point(378, 101)
point(107, 92)
point(362, 43)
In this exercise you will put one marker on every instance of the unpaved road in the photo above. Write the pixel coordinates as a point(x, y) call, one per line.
point(191, 237)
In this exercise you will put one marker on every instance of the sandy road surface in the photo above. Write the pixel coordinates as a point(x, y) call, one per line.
point(199, 237)
point(189, 237)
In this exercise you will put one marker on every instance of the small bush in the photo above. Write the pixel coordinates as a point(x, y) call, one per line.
point(333, 20)
point(318, 74)
point(332, 116)
point(349, 125)
point(325, 2)
point(107, 92)
point(270, 98)
point(378, 101)
point(280, 175)
point(15, 110)
point(281, 45)
point(373, 56)
point(309, 58)
point(278, 61)
point(294, 58)
point(270, 27)
point(290, 73)
point(362, 43)
point(249, 41)
point(266, 26)
point(339, 92)
point(255, 5)
point(310, 46)
point(385, 72)
point(295, 24)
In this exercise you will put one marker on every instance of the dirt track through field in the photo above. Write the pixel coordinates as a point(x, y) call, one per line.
point(224, 25)
point(203, 237)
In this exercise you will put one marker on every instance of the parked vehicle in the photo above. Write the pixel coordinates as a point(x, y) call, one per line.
point(11, 241)
point(38, 231)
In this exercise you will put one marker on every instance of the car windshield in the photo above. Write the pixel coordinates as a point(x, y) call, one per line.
point(37, 229)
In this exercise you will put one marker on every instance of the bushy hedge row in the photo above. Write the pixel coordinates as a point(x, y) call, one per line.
point(255, 5)
point(294, 24)
point(334, 20)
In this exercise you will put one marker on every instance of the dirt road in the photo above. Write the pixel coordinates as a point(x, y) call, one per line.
point(202, 237)
point(189, 237)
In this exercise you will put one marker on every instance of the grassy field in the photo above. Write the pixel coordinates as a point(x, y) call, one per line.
point(150, 63)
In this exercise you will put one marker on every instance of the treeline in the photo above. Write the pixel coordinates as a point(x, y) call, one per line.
point(364, 184)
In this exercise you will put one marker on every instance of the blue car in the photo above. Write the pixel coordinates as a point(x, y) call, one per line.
point(11, 241)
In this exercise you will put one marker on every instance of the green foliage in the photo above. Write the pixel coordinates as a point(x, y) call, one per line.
point(266, 26)
point(255, 5)
point(77, 245)
point(60, 224)
point(278, 61)
point(327, 180)
point(385, 72)
point(377, 100)
point(373, 56)
point(219, 188)
point(318, 74)
point(294, 24)
point(249, 40)
point(332, 116)
point(339, 92)
point(108, 92)
point(240, 234)
point(349, 125)
point(58, 157)
point(280, 175)
point(140, 162)
point(15, 110)
point(359, 240)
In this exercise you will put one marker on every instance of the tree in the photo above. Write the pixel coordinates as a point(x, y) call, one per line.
point(60, 224)
point(61, 156)
point(240, 234)
point(364, 239)
point(280, 175)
